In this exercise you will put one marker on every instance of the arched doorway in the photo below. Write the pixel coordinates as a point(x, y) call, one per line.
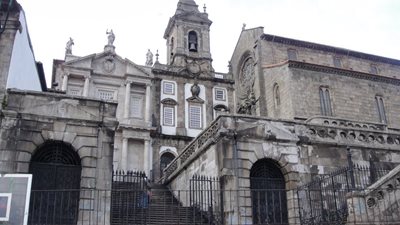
point(268, 193)
point(165, 159)
point(56, 172)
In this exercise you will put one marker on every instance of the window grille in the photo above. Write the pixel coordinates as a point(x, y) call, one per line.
point(169, 116)
point(75, 92)
point(195, 117)
point(169, 88)
point(106, 95)
point(220, 94)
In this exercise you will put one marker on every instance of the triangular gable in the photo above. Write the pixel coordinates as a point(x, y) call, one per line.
point(134, 69)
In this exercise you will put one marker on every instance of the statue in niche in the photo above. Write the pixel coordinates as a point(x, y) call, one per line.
point(111, 37)
point(149, 58)
point(68, 47)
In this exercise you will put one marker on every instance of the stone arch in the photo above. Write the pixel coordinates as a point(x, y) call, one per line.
point(165, 159)
point(56, 169)
point(268, 193)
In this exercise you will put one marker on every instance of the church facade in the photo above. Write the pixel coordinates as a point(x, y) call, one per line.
point(295, 133)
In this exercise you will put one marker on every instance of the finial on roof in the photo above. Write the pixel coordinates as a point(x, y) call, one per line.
point(205, 8)
point(244, 26)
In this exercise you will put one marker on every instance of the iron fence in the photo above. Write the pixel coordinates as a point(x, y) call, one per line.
point(324, 199)
point(205, 197)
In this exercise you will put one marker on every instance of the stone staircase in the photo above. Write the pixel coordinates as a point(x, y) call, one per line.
point(163, 209)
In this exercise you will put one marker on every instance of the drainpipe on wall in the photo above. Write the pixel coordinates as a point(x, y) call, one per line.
point(236, 169)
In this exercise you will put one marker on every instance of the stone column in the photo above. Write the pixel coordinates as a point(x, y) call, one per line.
point(127, 99)
point(146, 156)
point(65, 82)
point(147, 116)
point(86, 86)
point(124, 154)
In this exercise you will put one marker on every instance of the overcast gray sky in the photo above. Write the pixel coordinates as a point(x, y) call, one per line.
point(371, 26)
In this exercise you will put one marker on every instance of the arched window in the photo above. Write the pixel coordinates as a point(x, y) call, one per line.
point(193, 42)
point(165, 159)
point(268, 193)
point(56, 171)
point(277, 97)
point(171, 45)
point(325, 100)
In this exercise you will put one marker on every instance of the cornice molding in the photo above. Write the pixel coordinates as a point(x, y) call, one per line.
point(343, 72)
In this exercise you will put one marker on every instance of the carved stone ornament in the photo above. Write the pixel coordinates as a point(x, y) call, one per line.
point(109, 64)
point(194, 68)
point(169, 101)
point(195, 89)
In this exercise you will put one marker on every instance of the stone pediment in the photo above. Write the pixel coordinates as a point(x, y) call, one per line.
point(195, 99)
point(169, 101)
point(81, 62)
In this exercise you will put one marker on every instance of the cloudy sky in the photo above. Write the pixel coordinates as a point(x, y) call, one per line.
point(371, 26)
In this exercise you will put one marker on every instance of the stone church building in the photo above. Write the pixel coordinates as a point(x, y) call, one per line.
point(295, 133)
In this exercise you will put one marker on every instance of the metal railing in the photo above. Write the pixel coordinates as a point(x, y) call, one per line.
point(324, 199)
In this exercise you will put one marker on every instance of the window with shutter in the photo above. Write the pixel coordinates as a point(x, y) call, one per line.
point(195, 117)
point(169, 116)
point(220, 94)
point(168, 88)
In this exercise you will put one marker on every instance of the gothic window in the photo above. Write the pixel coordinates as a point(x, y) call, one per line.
point(169, 116)
point(136, 106)
point(105, 94)
point(337, 62)
point(374, 69)
point(277, 97)
point(325, 100)
point(168, 88)
point(195, 116)
point(247, 76)
point(220, 94)
point(292, 54)
point(193, 42)
point(381, 109)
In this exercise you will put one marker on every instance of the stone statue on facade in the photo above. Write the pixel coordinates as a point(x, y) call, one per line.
point(68, 47)
point(111, 37)
point(248, 105)
point(149, 58)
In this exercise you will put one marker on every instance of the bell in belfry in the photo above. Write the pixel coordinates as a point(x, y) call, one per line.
point(192, 47)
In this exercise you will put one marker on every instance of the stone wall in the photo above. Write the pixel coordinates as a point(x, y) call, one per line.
point(32, 118)
point(351, 97)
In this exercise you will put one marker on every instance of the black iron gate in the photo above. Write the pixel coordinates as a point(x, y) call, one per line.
point(268, 193)
point(56, 174)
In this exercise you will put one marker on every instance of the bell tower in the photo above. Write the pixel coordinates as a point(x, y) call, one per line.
point(188, 39)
